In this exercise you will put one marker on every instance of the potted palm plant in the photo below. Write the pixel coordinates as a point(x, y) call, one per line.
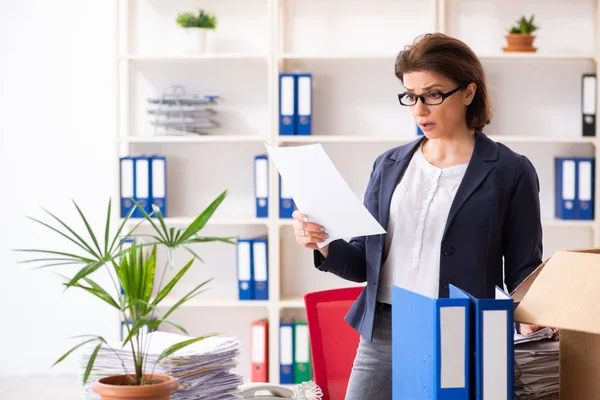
point(519, 37)
point(135, 291)
point(198, 30)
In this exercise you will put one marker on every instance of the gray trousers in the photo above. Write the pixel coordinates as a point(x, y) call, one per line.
point(371, 376)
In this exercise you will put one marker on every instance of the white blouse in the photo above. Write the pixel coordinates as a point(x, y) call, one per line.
point(418, 213)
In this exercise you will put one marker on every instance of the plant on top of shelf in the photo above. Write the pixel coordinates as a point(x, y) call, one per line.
point(132, 289)
point(198, 30)
point(202, 20)
point(519, 37)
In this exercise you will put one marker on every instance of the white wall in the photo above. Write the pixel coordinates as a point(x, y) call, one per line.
point(57, 132)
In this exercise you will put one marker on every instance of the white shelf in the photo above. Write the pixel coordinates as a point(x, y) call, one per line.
point(407, 139)
point(560, 223)
point(216, 303)
point(193, 56)
point(194, 139)
point(292, 303)
point(484, 56)
point(181, 221)
point(536, 56)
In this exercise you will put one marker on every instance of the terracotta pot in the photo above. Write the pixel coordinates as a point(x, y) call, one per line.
point(112, 388)
point(519, 42)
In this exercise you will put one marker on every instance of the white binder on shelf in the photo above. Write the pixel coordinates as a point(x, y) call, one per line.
point(589, 93)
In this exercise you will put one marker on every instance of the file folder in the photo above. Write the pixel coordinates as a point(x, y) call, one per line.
point(565, 188)
point(493, 330)
point(286, 353)
point(589, 93)
point(585, 188)
point(431, 346)
point(260, 259)
point(286, 202)
point(302, 362)
point(127, 172)
point(142, 186)
point(158, 184)
point(287, 104)
point(244, 269)
point(261, 185)
point(260, 351)
point(304, 109)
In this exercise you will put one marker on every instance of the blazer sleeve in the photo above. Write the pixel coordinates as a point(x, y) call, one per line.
point(523, 227)
point(348, 259)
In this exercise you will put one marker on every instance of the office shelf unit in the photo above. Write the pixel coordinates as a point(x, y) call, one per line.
point(349, 47)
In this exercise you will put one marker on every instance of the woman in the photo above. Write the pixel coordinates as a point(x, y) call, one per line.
point(454, 204)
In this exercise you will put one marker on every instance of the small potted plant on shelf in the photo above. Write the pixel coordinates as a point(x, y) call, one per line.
point(519, 37)
point(132, 291)
point(198, 30)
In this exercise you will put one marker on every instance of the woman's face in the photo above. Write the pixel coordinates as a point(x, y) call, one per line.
point(442, 120)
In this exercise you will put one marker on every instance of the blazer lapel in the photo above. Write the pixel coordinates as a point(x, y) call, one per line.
point(477, 170)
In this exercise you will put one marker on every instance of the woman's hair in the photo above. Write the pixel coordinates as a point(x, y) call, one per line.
point(455, 60)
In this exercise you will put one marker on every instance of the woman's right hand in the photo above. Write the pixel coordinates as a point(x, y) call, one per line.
point(309, 234)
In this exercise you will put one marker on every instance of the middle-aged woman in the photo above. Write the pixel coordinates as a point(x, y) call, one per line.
point(456, 206)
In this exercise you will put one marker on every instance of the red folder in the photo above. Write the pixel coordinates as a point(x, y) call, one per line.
point(259, 357)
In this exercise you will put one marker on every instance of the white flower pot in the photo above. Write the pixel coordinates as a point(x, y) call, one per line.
point(198, 40)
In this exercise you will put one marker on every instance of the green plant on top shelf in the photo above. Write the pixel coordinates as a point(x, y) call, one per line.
point(136, 290)
point(523, 26)
point(202, 20)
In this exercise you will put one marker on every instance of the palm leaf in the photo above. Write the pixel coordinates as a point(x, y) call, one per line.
point(192, 252)
point(62, 358)
point(193, 293)
point(89, 228)
point(83, 242)
point(123, 222)
point(58, 253)
point(205, 239)
point(85, 271)
point(107, 227)
point(149, 218)
point(165, 291)
point(101, 293)
point(178, 346)
point(87, 249)
point(203, 218)
point(90, 364)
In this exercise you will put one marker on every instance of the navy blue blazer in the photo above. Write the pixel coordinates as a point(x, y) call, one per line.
point(494, 215)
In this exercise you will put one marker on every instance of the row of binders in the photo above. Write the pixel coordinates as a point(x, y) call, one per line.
point(261, 190)
point(574, 188)
point(295, 104)
point(143, 178)
point(295, 365)
point(253, 268)
point(452, 348)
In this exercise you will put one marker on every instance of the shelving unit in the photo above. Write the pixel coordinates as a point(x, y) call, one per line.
point(355, 112)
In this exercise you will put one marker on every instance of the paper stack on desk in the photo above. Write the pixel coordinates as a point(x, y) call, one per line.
point(536, 370)
point(203, 369)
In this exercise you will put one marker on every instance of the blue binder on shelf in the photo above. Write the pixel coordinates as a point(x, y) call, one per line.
point(286, 202)
point(260, 261)
point(565, 188)
point(287, 104)
point(261, 185)
point(431, 347)
point(286, 353)
point(585, 188)
point(158, 184)
point(127, 184)
point(304, 102)
point(142, 186)
point(493, 331)
point(245, 269)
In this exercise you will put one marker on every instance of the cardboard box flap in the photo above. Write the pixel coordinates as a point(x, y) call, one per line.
point(564, 292)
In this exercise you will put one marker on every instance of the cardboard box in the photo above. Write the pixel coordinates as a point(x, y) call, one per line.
point(564, 292)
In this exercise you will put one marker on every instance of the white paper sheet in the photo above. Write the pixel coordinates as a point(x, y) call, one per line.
point(321, 193)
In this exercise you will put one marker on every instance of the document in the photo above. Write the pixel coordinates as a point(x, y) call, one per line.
point(321, 193)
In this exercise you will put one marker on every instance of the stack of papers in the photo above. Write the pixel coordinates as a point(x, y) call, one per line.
point(203, 369)
point(536, 370)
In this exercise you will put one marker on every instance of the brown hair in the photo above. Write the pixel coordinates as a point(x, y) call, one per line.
point(455, 60)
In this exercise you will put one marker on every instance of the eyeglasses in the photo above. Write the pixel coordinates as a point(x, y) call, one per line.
point(432, 98)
